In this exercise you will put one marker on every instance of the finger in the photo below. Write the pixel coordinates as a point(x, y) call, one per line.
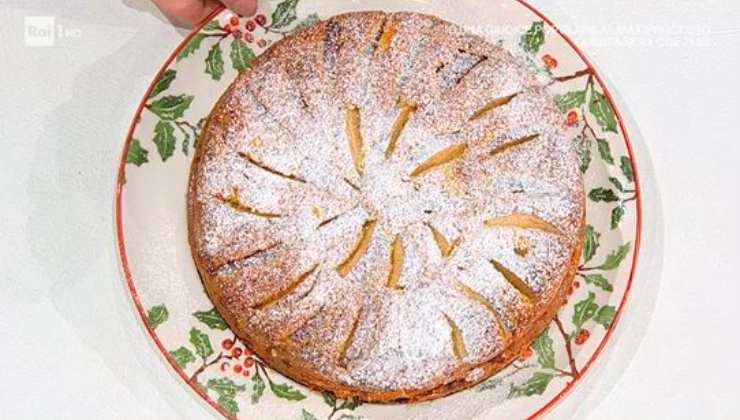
point(187, 13)
point(242, 7)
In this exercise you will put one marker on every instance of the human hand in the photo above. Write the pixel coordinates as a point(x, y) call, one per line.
point(188, 13)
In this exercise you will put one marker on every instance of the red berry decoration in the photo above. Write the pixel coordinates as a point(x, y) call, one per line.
point(234, 21)
point(576, 285)
point(237, 34)
point(550, 61)
point(261, 43)
point(236, 352)
point(246, 373)
point(238, 368)
point(572, 118)
point(261, 20)
point(251, 26)
point(227, 344)
point(248, 37)
point(228, 28)
point(582, 337)
point(248, 362)
point(224, 366)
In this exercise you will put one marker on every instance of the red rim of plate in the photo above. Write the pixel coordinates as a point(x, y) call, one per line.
point(142, 312)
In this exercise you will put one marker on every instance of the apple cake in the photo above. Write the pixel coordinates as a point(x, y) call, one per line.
point(386, 207)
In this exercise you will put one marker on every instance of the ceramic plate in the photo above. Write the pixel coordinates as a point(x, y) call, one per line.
point(197, 344)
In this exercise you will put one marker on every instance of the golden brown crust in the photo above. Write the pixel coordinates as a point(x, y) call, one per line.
point(256, 255)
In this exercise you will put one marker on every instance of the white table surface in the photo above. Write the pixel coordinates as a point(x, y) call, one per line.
point(70, 344)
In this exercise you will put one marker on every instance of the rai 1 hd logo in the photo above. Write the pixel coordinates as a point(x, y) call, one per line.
point(42, 31)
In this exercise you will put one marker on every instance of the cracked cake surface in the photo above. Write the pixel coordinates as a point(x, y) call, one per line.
point(386, 207)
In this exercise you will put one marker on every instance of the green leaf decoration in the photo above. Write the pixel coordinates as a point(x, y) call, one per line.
point(583, 150)
point(170, 108)
point(626, 165)
point(212, 319)
point(617, 215)
point(225, 387)
point(584, 311)
point(605, 316)
point(349, 417)
point(305, 415)
point(258, 387)
point(606, 195)
point(213, 25)
point(329, 399)
point(192, 46)
point(137, 155)
point(241, 55)
point(164, 82)
point(590, 243)
point(350, 405)
point(284, 14)
point(599, 281)
point(602, 111)
point(286, 392)
point(183, 356)
point(570, 100)
point(532, 40)
point(605, 151)
point(535, 385)
point(308, 22)
point(215, 62)
point(201, 342)
point(615, 258)
point(492, 383)
point(543, 347)
point(164, 138)
point(616, 183)
point(157, 315)
point(228, 405)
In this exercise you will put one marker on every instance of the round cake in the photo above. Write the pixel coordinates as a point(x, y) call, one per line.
point(386, 207)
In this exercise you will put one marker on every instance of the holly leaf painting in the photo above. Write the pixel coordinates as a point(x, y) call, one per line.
point(532, 40)
point(212, 319)
point(570, 100)
point(606, 195)
point(192, 46)
point(602, 111)
point(201, 342)
point(213, 25)
point(284, 14)
point(164, 138)
point(137, 155)
point(215, 62)
point(286, 392)
point(615, 258)
point(617, 215)
point(584, 311)
point(350, 404)
point(329, 399)
point(605, 316)
point(605, 151)
point(225, 387)
point(543, 347)
point(229, 405)
point(535, 385)
point(164, 82)
point(305, 415)
point(590, 243)
point(626, 165)
point(308, 22)
point(258, 387)
point(183, 356)
point(157, 315)
point(170, 108)
point(599, 281)
point(241, 55)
